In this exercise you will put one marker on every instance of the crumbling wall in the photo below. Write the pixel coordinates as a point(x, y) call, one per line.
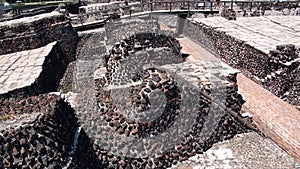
point(36, 31)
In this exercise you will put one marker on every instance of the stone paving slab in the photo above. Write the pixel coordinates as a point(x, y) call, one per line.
point(21, 69)
point(263, 33)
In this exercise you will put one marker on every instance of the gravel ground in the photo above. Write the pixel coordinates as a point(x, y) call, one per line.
point(248, 150)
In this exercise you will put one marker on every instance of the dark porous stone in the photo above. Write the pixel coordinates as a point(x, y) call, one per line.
point(156, 78)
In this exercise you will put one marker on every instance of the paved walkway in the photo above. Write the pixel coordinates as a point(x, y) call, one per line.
point(21, 69)
point(277, 119)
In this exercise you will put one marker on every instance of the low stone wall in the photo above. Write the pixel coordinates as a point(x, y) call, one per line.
point(36, 31)
point(276, 76)
point(44, 139)
point(32, 12)
point(118, 30)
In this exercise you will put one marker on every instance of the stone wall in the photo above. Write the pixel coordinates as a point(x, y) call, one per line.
point(119, 30)
point(268, 8)
point(276, 76)
point(201, 34)
point(36, 31)
point(32, 12)
point(274, 5)
point(44, 140)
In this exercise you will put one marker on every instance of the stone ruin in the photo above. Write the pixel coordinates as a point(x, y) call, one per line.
point(285, 67)
point(37, 31)
point(137, 62)
point(277, 71)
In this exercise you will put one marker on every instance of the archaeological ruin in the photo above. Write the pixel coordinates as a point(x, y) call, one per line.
point(97, 84)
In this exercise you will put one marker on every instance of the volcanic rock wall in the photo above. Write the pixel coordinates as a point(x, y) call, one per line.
point(117, 30)
point(44, 139)
point(36, 31)
point(284, 80)
point(274, 72)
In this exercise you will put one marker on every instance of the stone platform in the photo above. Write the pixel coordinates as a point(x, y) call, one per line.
point(91, 99)
point(31, 71)
point(265, 49)
point(263, 33)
